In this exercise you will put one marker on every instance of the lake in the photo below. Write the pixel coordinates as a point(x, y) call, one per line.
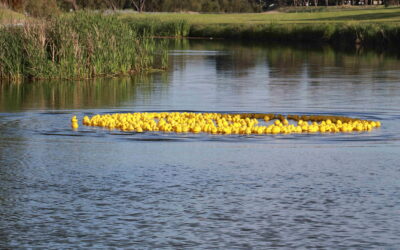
point(97, 188)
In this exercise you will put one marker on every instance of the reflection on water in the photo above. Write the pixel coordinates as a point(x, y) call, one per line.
point(96, 188)
point(283, 61)
point(284, 72)
point(52, 94)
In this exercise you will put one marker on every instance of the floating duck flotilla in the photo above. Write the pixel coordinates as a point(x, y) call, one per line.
point(218, 123)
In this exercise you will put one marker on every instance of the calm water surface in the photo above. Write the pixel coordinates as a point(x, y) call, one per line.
point(100, 189)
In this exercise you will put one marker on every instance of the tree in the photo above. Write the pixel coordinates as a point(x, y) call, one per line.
point(139, 5)
point(73, 3)
point(111, 4)
point(17, 5)
point(115, 4)
point(41, 8)
point(210, 6)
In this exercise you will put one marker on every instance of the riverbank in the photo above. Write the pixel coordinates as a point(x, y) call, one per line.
point(85, 45)
point(369, 27)
point(347, 34)
point(77, 46)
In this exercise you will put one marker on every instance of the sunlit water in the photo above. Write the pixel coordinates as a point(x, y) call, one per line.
point(99, 189)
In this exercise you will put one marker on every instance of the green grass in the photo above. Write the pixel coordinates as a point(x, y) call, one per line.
point(322, 8)
point(333, 15)
point(77, 46)
point(8, 16)
point(157, 27)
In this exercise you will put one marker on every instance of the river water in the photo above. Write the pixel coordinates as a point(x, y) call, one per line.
point(96, 188)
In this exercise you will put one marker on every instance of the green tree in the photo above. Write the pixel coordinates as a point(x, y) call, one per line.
point(210, 6)
point(73, 4)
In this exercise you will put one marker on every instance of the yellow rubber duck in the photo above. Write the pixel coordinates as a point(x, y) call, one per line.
point(74, 122)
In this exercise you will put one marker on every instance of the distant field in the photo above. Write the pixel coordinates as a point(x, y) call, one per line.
point(329, 15)
point(304, 15)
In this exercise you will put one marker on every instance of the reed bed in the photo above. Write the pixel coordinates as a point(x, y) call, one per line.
point(157, 27)
point(77, 46)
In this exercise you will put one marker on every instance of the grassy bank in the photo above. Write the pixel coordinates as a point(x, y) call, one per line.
point(329, 15)
point(76, 46)
point(368, 35)
point(8, 16)
point(86, 45)
point(366, 26)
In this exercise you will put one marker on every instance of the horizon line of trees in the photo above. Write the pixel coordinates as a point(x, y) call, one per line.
point(144, 5)
point(44, 8)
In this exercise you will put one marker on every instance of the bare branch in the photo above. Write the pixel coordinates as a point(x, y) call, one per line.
point(139, 4)
point(111, 4)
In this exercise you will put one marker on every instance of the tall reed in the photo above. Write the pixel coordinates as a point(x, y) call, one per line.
point(157, 27)
point(81, 45)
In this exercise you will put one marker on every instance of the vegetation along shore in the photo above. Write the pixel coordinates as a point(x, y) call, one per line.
point(43, 41)
point(371, 28)
point(77, 46)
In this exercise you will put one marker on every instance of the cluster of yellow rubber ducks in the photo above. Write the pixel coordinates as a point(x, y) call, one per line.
point(217, 123)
